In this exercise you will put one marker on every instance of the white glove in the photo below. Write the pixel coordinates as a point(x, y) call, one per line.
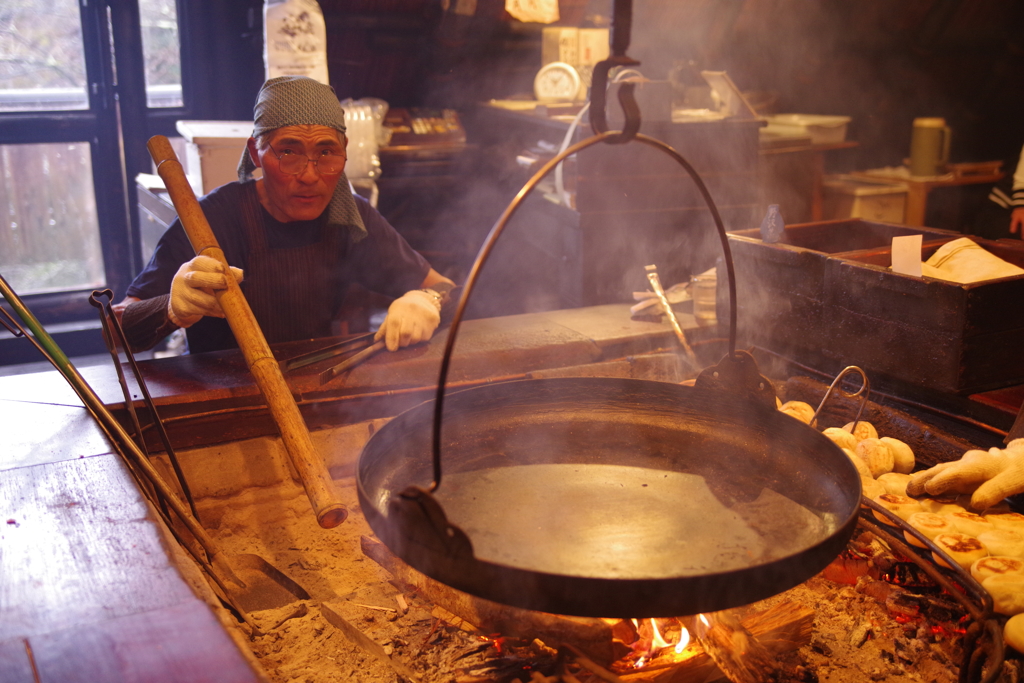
point(411, 318)
point(990, 476)
point(192, 290)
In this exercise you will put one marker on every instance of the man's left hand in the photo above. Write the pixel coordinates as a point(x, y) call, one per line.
point(411, 318)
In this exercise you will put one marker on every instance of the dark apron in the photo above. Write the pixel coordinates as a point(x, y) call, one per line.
point(290, 290)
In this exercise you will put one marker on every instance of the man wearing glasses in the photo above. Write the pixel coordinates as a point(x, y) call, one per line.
point(296, 238)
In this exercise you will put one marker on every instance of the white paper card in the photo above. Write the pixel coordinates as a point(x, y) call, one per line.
point(906, 255)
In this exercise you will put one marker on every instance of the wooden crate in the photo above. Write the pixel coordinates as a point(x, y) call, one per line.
point(825, 296)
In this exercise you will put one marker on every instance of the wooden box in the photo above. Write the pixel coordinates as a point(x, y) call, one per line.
point(824, 296)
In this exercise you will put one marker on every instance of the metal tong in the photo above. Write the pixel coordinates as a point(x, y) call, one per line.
point(652, 277)
point(113, 335)
point(360, 344)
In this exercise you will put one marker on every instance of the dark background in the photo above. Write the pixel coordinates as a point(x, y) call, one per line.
point(881, 62)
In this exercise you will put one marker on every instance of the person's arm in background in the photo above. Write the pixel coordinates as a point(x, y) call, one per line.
point(1017, 212)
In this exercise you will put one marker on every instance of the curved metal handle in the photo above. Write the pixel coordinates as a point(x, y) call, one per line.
point(499, 227)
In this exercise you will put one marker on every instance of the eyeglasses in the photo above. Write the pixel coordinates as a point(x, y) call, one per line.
point(326, 162)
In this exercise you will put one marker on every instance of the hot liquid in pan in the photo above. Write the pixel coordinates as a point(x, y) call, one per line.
point(620, 522)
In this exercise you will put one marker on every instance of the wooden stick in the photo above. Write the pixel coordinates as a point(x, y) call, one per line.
point(362, 640)
point(320, 489)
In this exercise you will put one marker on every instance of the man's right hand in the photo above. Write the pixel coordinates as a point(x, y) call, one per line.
point(192, 290)
point(1017, 222)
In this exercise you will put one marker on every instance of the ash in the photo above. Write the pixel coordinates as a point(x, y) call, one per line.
point(863, 631)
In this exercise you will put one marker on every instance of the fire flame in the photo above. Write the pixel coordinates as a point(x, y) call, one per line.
point(653, 643)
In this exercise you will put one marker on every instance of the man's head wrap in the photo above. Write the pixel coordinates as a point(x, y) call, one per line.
point(300, 101)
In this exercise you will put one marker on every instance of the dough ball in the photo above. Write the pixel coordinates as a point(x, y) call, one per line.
point(865, 430)
point(841, 437)
point(902, 454)
point(798, 409)
point(901, 506)
point(870, 488)
point(1006, 542)
point(963, 549)
point(862, 467)
point(993, 564)
point(1007, 591)
point(1013, 632)
point(929, 524)
point(894, 482)
point(877, 456)
point(969, 523)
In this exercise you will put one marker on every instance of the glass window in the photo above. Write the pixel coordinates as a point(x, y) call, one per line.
point(161, 52)
point(42, 63)
point(48, 237)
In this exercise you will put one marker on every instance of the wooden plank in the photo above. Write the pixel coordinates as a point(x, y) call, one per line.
point(38, 433)
point(181, 643)
point(15, 662)
point(78, 546)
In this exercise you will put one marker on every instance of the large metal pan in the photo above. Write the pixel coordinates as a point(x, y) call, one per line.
point(607, 497)
point(610, 497)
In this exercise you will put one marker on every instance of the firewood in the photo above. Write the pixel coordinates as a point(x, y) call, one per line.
point(739, 654)
point(783, 628)
point(594, 637)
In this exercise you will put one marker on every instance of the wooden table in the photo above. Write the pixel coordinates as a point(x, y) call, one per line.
point(918, 188)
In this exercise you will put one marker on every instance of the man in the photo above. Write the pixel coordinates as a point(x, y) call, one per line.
point(298, 236)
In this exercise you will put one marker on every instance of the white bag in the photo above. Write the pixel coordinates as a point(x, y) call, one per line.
point(294, 39)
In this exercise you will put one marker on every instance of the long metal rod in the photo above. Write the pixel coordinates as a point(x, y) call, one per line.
point(499, 227)
point(110, 323)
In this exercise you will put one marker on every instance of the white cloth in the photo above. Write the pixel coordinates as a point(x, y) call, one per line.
point(411, 318)
point(964, 260)
point(192, 290)
point(539, 11)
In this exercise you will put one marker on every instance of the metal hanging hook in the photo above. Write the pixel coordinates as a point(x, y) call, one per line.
point(622, 22)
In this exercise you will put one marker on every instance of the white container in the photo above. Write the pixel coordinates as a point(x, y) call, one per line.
point(212, 151)
point(823, 130)
point(845, 196)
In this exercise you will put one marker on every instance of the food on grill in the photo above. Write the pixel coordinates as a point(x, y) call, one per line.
point(1003, 542)
point(870, 488)
point(841, 437)
point(798, 409)
point(862, 467)
point(876, 454)
point(969, 523)
point(929, 524)
point(894, 482)
point(865, 430)
point(903, 455)
point(1013, 632)
point(937, 504)
point(996, 564)
point(901, 506)
point(963, 549)
point(1007, 520)
point(1007, 591)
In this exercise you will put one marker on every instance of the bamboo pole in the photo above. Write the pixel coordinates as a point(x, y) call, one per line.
point(320, 489)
